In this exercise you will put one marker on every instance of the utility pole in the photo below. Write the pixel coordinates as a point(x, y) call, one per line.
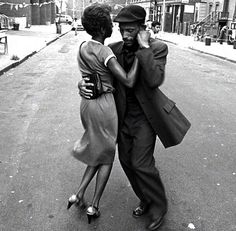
point(58, 24)
point(163, 14)
point(59, 21)
point(82, 8)
point(234, 15)
point(73, 9)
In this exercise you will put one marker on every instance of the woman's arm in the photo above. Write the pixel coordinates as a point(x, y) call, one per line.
point(118, 72)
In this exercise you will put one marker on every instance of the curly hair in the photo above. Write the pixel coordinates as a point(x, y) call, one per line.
point(156, 23)
point(95, 17)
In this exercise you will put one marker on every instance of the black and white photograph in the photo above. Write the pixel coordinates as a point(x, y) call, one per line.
point(117, 115)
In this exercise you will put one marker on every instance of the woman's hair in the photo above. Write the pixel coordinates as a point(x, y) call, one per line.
point(95, 17)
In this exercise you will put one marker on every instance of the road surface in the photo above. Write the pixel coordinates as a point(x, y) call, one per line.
point(39, 123)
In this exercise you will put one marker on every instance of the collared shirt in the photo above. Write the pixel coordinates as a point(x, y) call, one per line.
point(134, 112)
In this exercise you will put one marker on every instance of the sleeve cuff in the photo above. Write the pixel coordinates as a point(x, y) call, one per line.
point(108, 58)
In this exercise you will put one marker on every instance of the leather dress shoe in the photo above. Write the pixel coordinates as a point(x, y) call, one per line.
point(155, 224)
point(140, 210)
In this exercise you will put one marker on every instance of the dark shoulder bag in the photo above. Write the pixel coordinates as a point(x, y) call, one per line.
point(94, 78)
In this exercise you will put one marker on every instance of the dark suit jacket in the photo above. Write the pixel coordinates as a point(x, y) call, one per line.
point(168, 122)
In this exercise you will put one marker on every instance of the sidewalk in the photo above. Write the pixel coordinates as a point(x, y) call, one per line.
point(223, 51)
point(26, 42)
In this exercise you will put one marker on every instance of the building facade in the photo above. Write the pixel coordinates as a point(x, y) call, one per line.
point(214, 14)
point(29, 12)
point(75, 8)
point(172, 14)
point(178, 15)
point(146, 4)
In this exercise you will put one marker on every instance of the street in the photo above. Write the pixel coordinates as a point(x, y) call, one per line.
point(39, 123)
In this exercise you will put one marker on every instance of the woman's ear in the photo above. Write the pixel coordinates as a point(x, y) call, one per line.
point(103, 31)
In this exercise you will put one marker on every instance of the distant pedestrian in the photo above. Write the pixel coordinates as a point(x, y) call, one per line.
point(97, 146)
point(193, 27)
point(154, 29)
point(231, 37)
point(222, 35)
point(199, 33)
point(149, 24)
point(156, 26)
point(75, 25)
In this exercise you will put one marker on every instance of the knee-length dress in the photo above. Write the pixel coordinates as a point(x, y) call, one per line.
point(99, 116)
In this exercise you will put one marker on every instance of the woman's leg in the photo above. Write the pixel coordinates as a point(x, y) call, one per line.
point(101, 181)
point(87, 177)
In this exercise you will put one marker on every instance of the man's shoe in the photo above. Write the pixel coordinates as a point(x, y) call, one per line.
point(140, 210)
point(156, 224)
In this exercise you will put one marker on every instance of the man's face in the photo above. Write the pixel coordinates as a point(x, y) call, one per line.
point(156, 29)
point(129, 32)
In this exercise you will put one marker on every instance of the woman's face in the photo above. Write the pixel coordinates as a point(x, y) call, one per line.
point(109, 27)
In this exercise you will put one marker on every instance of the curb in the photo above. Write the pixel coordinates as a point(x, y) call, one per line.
point(200, 51)
point(15, 64)
point(7, 68)
point(217, 56)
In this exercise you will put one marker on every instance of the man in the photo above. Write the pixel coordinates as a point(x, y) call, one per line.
point(141, 113)
point(149, 24)
point(154, 29)
point(222, 35)
point(156, 26)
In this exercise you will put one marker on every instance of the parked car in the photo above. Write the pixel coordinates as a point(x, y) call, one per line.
point(79, 25)
point(64, 18)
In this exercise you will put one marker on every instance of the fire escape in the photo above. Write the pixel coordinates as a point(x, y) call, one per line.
point(214, 21)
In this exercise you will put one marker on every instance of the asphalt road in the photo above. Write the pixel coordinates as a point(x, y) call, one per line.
point(39, 122)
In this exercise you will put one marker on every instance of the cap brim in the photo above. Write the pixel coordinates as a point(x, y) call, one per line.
point(125, 20)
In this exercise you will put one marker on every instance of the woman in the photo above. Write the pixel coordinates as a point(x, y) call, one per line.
point(97, 146)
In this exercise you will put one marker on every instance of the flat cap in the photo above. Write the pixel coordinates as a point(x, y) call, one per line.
point(131, 13)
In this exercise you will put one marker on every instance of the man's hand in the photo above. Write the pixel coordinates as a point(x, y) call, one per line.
point(83, 91)
point(143, 38)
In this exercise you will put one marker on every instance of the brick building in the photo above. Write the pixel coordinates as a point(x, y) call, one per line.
point(29, 12)
point(179, 14)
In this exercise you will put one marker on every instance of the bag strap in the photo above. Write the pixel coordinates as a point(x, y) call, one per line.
point(86, 63)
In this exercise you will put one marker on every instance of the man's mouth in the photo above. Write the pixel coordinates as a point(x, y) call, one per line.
point(128, 42)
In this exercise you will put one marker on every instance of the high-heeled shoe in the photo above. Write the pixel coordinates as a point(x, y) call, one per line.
point(74, 199)
point(92, 212)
